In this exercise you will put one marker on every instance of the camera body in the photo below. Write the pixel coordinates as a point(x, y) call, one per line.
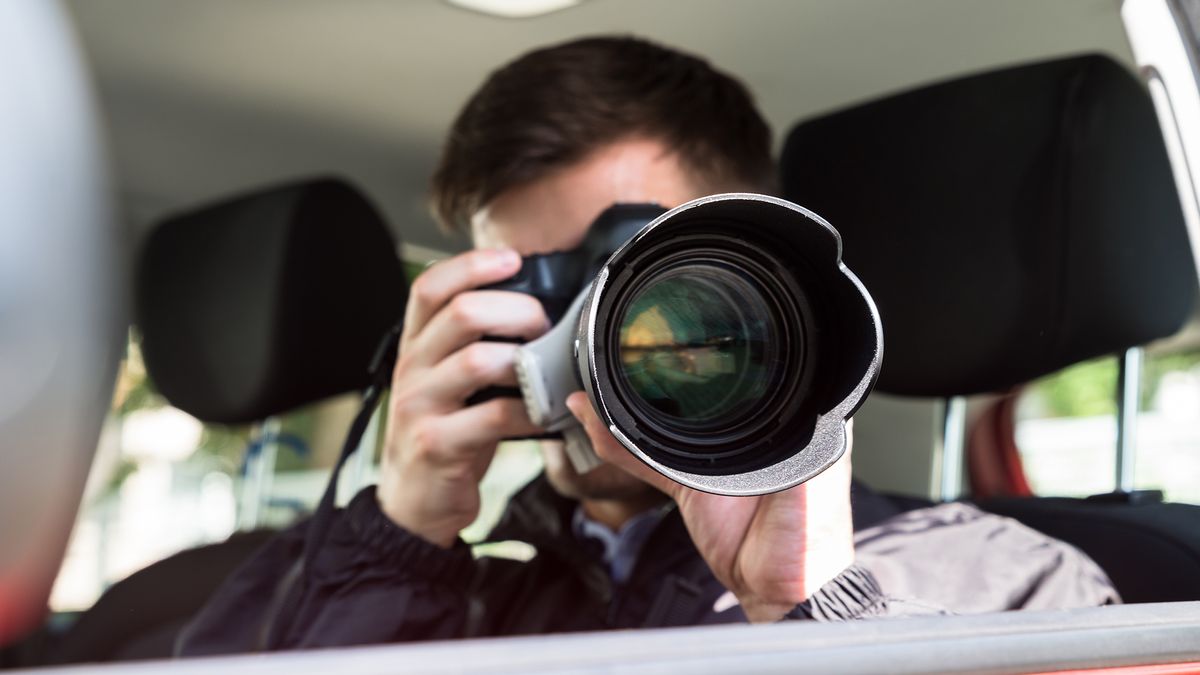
point(560, 280)
point(723, 342)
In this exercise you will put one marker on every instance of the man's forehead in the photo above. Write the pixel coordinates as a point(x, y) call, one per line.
point(554, 212)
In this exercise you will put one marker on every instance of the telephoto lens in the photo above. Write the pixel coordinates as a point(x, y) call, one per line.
point(725, 345)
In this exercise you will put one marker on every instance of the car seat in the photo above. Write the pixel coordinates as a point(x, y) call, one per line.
point(139, 616)
point(247, 309)
point(1010, 224)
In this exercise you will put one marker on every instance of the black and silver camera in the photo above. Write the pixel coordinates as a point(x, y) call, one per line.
point(723, 342)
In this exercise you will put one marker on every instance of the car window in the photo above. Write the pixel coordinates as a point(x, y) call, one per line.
point(162, 481)
point(1067, 428)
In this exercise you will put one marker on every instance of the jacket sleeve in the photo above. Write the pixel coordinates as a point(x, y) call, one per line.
point(372, 582)
point(955, 558)
point(856, 594)
point(968, 561)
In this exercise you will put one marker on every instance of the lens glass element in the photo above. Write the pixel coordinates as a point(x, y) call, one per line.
point(697, 345)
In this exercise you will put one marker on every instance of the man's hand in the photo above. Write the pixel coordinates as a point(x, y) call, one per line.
point(436, 450)
point(772, 551)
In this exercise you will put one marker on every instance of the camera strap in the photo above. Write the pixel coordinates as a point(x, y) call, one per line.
point(282, 610)
point(380, 370)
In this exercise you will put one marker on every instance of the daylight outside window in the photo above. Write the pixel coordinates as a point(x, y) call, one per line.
point(1067, 428)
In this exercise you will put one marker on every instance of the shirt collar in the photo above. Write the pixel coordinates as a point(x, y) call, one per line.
point(619, 549)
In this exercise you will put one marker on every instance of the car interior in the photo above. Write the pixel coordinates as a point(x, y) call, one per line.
point(1013, 212)
point(1018, 187)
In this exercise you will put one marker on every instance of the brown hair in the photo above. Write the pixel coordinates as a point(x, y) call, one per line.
point(553, 106)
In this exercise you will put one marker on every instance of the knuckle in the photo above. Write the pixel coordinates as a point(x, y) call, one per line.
point(403, 404)
point(459, 472)
point(424, 438)
point(462, 309)
point(404, 364)
point(478, 361)
point(388, 456)
point(504, 413)
point(492, 415)
point(422, 290)
point(509, 412)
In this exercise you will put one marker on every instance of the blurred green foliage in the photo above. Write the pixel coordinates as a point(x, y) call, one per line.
point(1089, 389)
point(1158, 365)
point(1086, 389)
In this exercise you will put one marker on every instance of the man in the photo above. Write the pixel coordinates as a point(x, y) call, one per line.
point(548, 143)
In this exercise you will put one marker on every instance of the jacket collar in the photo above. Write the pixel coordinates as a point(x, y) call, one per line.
point(541, 517)
point(536, 514)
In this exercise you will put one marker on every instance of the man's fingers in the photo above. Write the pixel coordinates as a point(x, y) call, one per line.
point(447, 278)
point(486, 424)
point(610, 449)
point(477, 366)
point(473, 315)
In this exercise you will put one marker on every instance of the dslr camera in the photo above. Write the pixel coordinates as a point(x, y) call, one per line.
point(723, 342)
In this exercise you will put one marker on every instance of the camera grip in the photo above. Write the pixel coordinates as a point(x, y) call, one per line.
point(554, 279)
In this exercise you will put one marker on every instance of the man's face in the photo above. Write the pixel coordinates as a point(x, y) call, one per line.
point(553, 214)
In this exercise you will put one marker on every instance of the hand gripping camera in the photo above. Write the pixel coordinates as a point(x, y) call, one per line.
point(723, 342)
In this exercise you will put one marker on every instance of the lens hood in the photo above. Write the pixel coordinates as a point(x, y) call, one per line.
point(726, 344)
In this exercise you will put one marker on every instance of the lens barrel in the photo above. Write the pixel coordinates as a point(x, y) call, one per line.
point(726, 344)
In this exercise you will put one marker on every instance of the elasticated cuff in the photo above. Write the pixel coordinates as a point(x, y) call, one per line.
point(404, 550)
point(853, 594)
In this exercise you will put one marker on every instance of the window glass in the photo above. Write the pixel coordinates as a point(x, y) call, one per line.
point(1168, 439)
point(1191, 13)
point(162, 481)
point(1067, 428)
point(1067, 431)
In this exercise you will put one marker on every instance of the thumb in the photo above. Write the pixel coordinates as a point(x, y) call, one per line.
point(609, 449)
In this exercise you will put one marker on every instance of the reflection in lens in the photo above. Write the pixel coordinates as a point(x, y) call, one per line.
point(696, 345)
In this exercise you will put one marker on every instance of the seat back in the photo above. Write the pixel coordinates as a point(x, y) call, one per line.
point(1010, 224)
point(247, 309)
point(1151, 552)
point(140, 616)
point(267, 301)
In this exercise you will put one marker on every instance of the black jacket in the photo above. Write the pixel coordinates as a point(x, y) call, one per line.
point(374, 582)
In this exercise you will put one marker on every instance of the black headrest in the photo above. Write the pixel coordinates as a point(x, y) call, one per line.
point(1008, 224)
point(268, 301)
